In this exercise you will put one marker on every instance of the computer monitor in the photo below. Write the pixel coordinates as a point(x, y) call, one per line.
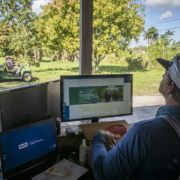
point(27, 146)
point(27, 104)
point(95, 96)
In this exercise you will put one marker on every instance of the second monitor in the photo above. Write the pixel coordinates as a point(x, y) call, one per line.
point(95, 96)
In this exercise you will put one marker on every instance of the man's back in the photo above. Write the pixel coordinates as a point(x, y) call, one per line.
point(149, 151)
point(163, 150)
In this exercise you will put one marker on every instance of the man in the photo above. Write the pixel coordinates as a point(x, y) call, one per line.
point(7, 57)
point(150, 149)
point(12, 65)
point(107, 96)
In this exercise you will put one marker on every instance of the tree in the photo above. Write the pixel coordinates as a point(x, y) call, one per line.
point(176, 44)
point(151, 34)
point(18, 15)
point(164, 41)
point(161, 49)
point(59, 27)
point(100, 91)
point(114, 26)
point(5, 40)
point(146, 35)
point(169, 33)
point(24, 43)
point(117, 95)
point(16, 12)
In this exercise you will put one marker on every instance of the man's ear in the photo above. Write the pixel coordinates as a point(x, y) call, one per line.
point(171, 87)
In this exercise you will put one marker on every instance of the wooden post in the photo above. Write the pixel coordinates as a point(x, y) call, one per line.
point(86, 21)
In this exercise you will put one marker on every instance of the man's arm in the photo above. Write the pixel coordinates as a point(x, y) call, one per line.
point(12, 63)
point(122, 161)
point(8, 64)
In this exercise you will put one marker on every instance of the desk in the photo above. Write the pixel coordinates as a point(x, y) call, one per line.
point(88, 132)
point(62, 140)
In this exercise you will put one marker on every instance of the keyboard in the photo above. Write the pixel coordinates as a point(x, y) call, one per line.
point(30, 173)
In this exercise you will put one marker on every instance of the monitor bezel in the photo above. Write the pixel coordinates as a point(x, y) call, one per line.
point(21, 168)
point(105, 75)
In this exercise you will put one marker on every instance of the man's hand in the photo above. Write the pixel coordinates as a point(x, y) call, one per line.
point(110, 139)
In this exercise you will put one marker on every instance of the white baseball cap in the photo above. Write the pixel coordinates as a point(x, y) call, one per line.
point(173, 67)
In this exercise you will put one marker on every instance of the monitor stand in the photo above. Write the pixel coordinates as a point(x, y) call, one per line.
point(94, 120)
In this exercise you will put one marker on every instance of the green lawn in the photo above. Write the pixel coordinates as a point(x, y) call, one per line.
point(145, 82)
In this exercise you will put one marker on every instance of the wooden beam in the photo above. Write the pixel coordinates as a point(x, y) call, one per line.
point(86, 21)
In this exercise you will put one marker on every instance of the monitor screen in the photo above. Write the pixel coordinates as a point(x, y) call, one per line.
point(27, 144)
point(29, 104)
point(95, 96)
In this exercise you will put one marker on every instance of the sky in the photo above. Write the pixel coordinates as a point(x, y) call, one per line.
point(163, 14)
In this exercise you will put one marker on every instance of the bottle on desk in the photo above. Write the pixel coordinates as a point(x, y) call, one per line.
point(82, 153)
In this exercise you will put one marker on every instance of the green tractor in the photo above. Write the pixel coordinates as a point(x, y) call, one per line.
point(7, 73)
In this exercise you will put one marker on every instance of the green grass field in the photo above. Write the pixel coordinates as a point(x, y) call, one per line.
point(145, 82)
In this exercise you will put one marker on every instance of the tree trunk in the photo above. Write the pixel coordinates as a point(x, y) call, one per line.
point(149, 63)
point(96, 66)
point(38, 56)
point(63, 58)
point(41, 54)
point(148, 46)
point(55, 54)
point(35, 54)
point(59, 57)
point(76, 58)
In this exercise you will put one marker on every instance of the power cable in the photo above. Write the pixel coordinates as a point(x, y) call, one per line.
point(157, 21)
point(169, 28)
point(162, 22)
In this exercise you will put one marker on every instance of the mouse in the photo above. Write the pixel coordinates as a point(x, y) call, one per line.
point(117, 129)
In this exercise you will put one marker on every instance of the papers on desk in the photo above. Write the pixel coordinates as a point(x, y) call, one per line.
point(75, 171)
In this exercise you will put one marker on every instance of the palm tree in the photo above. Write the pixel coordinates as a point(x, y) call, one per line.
point(164, 37)
point(169, 33)
point(153, 33)
point(146, 36)
point(164, 40)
